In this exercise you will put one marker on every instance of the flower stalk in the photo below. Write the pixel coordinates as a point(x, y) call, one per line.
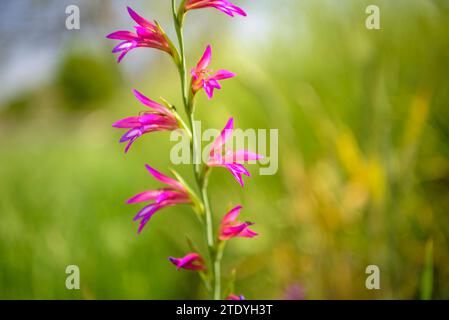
point(165, 117)
point(200, 179)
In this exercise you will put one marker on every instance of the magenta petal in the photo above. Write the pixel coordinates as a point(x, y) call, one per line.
point(142, 224)
point(205, 59)
point(175, 261)
point(130, 144)
point(147, 211)
point(223, 74)
point(126, 45)
point(248, 233)
point(209, 91)
point(243, 155)
point(213, 83)
point(192, 261)
point(148, 102)
point(121, 56)
point(223, 137)
point(237, 167)
point(134, 133)
point(164, 179)
point(232, 215)
point(140, 20)
point(237, 177)
point(232, 231)
point(122, 35)
point(129, 122)
point(144, 196)
point(237, 170)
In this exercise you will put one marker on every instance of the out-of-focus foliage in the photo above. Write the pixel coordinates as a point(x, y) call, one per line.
point(86, 80)
point(363, 160)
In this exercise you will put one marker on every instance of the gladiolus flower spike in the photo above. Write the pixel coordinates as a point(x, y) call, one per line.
point(175, 193)
point(202, 78)
point(164, 117)
point(228, 159)
point(159, 118)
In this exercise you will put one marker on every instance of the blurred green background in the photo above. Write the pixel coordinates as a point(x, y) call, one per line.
point(363, 174)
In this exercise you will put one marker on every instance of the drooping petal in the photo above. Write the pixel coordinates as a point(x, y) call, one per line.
point(237, 176)
point(209, 90)
point(147, 211)
point(121, 56)
point(134, 133)
point(237, 170)
point(248, 233)
point(213, 83)
point(131, 141)
point(124, 46)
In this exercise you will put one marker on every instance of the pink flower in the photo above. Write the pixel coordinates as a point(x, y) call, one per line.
point(229, 159)
point(295, 292)
point(174, 194)
point(147, 34)
point(235, 297)
point(158, 118)
point(201, 77)
point(231, 228)
point(192, 261)
point(222, 5)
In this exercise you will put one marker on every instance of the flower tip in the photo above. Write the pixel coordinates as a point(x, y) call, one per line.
point(149, 168)
point(130, 10)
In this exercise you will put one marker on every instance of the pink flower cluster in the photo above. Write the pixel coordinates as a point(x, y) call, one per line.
point(163, 117)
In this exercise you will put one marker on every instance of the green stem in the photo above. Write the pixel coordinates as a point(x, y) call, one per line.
point(201, 176)
point(215, 251)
